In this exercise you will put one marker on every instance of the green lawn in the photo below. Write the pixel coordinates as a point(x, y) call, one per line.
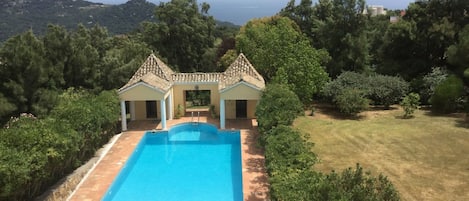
point(427, 157)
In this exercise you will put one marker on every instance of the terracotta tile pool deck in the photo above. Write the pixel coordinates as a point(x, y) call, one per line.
point(255, 186)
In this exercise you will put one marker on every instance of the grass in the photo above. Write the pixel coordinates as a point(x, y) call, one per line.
point(426, 158)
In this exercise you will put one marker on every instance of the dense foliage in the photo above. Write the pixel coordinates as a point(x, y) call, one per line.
point(367, 57)
point(351, 101)
point(350, 90)
point(386, 90)
point(278, 106)
point(19, 16)
point(183, 34)
point(447, 94)
point(276, 45)
point(37, 152)
point(428, 34)
point(338, 27)
point(37, 69)
point(429, 83)
point(290, 161)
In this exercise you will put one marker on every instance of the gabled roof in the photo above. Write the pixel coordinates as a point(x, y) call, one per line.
point(157, 74)
point(153, 72)
point(241, 70)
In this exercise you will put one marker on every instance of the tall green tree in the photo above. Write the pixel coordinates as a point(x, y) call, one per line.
point(183, 34)
point(81, 69)
point(403, 57)
point(120, 62)
point(339, 27)
point(57, 48)
point(438, 26)
point(419, 42)
point(458, 54)
point(24, 72)
point(302, 14)
point(276, 44)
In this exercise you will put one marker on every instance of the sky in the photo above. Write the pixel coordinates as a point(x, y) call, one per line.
point(240, 11)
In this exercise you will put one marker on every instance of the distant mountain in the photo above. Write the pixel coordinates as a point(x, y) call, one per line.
point(17, 16)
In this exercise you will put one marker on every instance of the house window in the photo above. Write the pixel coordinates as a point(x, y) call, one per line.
point(197, 98)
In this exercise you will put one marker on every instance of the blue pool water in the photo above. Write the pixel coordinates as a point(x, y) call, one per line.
point(190, 162)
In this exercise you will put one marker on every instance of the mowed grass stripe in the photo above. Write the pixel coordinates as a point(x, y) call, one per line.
point(426, 157)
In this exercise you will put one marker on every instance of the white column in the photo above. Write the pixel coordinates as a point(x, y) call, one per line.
point(132, 110)
point(163, 113)
point(123, 116)
point(171, 107)
point(222, 113)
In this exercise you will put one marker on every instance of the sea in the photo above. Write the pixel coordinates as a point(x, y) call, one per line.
point(241, 11)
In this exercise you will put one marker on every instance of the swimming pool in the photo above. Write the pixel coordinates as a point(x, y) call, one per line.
point(190, 162)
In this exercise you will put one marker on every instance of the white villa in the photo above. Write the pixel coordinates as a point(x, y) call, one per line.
point(155, 91)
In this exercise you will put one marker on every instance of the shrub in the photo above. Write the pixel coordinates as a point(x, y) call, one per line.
point(351, 102)
point(444, 100)
point(93, 116)
point(36, 152)
point(288, 158)
point(429, 83)
point(213, 113)
point(354, 184)
point(179, 111)
point(286, 150)
point(410, 103)
point(346, 80)
point(387, 90)
point(278, 106)
point(380, 89)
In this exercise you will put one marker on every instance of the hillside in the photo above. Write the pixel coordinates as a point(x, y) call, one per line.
point(17, 16)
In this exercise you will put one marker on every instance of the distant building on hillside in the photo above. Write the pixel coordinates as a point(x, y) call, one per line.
point(394, 19)
point(374, 10)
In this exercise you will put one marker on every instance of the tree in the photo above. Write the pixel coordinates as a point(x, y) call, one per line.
point(57, 48)
point(404, 57)
point(24, 71)
point(301, 14)
point(458, 54)
point(419, 42)
point(6, 108)
point(446, 95)
point(438, 25)
point(276, 43)
point(430, 82)
point(82, 69)
point(183, 33)
point(340, 28)
point(121, 61)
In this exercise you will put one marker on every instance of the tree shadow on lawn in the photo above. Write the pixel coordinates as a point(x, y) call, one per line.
point(331, 111)
point(462, 119)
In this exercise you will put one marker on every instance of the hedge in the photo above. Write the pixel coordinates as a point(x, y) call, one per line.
point(36, 153)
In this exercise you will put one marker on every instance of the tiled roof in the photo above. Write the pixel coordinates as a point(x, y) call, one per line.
point(157, 74)
point(153, 66)
point(242, 70)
